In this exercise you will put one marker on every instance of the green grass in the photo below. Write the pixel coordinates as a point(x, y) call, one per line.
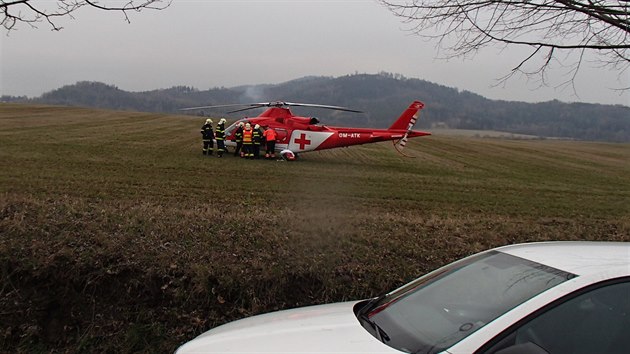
point(117, 235)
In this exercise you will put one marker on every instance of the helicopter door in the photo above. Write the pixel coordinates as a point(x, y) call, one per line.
point(283, 136)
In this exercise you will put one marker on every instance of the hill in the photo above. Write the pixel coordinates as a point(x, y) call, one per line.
point(382, 97)
point(118, 235)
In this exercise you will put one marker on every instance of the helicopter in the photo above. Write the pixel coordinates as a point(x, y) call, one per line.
point(296, 134)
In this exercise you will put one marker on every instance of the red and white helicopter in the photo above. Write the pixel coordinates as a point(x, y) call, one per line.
point(297, 134)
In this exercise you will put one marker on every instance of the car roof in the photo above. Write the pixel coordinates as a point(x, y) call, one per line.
point(577, 257)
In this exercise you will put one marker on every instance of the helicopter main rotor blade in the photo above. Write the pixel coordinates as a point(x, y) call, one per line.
point(194, 108)
point(337, 108)
point(255, 105)
point(246, 108)
point(271, 104)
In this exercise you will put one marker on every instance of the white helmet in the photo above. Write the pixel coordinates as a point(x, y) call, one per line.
point(248, 126)
point(208, 121)
point(222, 121)
point(257, 126)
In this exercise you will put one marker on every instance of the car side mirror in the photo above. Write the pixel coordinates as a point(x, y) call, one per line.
point(522, 348)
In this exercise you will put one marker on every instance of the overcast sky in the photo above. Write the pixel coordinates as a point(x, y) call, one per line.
point(206, 44)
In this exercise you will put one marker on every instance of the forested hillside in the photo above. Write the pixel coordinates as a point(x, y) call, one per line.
point(382, 97)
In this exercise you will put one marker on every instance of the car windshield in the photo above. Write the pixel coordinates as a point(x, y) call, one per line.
point(441, 308)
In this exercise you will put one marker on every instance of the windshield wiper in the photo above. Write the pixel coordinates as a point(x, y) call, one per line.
point(380, 333)
point(368, 306)
point(363, 315)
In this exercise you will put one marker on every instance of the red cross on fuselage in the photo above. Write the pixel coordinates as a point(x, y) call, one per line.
point(302, 141)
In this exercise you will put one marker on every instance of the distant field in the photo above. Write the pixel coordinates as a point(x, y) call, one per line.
point(484, 134)
point(118, 235)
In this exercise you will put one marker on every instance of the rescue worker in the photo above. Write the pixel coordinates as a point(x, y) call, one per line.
point(248, 141)
point(270, 139)
point(238, 139)
point(257, 138)
point(207, 135)
point(220, 137)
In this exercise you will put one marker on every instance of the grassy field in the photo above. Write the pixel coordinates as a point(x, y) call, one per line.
point(118, 235)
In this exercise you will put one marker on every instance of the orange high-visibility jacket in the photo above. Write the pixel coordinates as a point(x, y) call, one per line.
point(270, 134)
point(247, 136)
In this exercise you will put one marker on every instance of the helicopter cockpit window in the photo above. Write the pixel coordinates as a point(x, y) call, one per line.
point(232, 127)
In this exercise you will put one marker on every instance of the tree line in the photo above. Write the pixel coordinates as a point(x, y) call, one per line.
point(381, 96)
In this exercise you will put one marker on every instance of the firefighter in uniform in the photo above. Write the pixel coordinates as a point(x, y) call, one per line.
point(238, 139)
point(257, 138)
point(220, 137)
point(207, 135)
point(248, 141)
point(270, 139)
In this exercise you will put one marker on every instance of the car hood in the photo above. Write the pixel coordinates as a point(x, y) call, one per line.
point(331, 328)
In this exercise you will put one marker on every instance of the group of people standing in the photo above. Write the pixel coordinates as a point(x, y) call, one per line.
point(208, 137)
point(248, 139)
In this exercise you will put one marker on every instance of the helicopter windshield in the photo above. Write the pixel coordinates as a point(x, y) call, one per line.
point(233, 126)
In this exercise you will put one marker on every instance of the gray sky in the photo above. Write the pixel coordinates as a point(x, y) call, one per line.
point(211, 43)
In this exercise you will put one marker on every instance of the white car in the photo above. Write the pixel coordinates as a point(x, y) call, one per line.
point(550, 297)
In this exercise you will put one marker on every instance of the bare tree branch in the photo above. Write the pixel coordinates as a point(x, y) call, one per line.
point(32, 12)
point(462, 28)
